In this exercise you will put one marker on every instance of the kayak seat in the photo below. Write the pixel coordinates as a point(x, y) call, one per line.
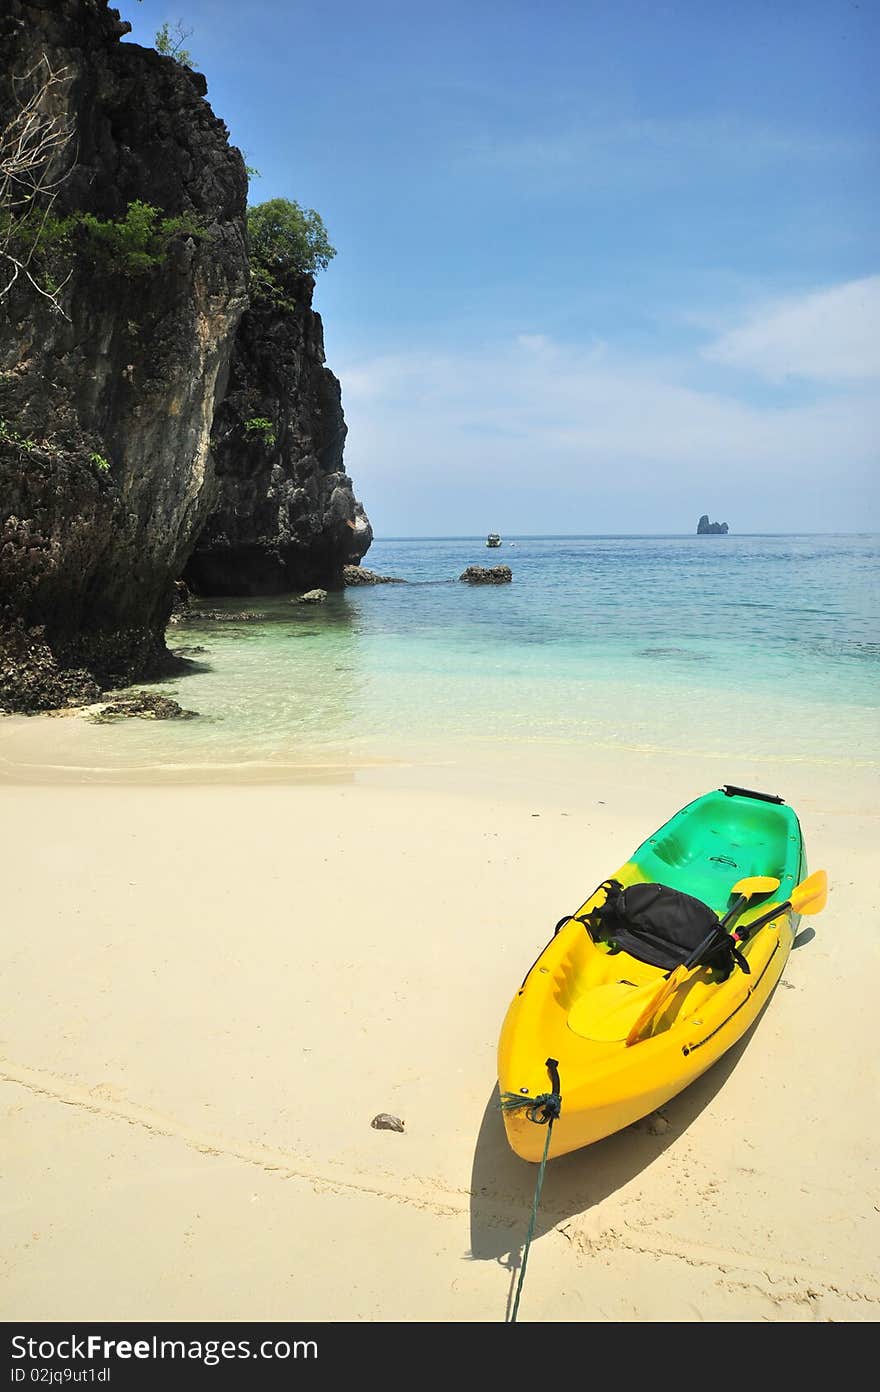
point(661, 926)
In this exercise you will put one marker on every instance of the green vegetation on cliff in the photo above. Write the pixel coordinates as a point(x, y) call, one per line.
point(128, 246)
point(137, 243)
point(260, 427)
point(170, 42)
point(286, 242)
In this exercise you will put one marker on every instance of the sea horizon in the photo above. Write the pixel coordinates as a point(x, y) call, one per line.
point(597, 536)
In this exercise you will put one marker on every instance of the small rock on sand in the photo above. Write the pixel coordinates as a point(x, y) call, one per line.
point(385, 1122)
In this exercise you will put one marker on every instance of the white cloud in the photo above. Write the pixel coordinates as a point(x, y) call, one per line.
point(534, 435)
point(661, 152)
point(829, 336)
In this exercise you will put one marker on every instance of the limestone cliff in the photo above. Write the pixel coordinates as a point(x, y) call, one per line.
point(119, 447)
point(106, 408)
point(285, 516)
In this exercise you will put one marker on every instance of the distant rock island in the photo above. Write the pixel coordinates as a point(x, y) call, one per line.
point(707, 528)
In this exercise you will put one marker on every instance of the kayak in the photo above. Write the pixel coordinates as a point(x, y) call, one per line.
point(648, 984)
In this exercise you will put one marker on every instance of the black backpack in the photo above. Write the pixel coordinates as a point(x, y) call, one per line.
point(664, 927)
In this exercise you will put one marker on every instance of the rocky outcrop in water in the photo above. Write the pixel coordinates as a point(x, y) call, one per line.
point(359, 575)
point(197, 616)
point(142, 705)
point(284, 514)
point(106, 409)
point(707, 528)
point(487, 575)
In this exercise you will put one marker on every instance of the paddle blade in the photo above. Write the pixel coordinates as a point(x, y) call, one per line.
point(755, 884)
point(654, 1004)
point(811, 895)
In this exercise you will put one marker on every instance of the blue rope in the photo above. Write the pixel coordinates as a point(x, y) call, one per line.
point(543, 1111)
point(547, 1103)
point(532, 1221)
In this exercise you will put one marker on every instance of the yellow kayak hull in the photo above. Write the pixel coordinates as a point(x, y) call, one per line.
point(579, 1001)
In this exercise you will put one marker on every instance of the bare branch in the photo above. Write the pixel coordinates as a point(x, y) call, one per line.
point(34, 163)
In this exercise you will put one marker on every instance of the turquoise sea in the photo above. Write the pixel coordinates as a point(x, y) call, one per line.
point(767, 646)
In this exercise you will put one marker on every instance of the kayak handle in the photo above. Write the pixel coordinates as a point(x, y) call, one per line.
point(730, 790)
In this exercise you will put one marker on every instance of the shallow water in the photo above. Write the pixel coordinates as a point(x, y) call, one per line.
point(764, 646)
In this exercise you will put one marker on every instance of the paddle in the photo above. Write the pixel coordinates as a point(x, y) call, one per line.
point(745, 889)
point(810, 897)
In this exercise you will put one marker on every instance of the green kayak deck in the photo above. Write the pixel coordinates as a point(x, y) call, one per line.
point(721, 838)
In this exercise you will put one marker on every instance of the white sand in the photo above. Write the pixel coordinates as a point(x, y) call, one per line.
point(211, 990)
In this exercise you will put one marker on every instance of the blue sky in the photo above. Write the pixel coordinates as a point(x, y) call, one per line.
point(601, 266)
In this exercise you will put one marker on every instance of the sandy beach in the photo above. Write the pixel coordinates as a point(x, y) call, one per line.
point(210, 990)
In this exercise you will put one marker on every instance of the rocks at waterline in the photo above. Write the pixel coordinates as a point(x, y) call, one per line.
point(216, 616)
point(31, 678)
point(359, 575)
point(311, 597)
point(145, 705)
point(707, 528)
point(487, 575)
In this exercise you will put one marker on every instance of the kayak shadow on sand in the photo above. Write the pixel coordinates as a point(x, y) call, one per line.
point(503, 1186)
